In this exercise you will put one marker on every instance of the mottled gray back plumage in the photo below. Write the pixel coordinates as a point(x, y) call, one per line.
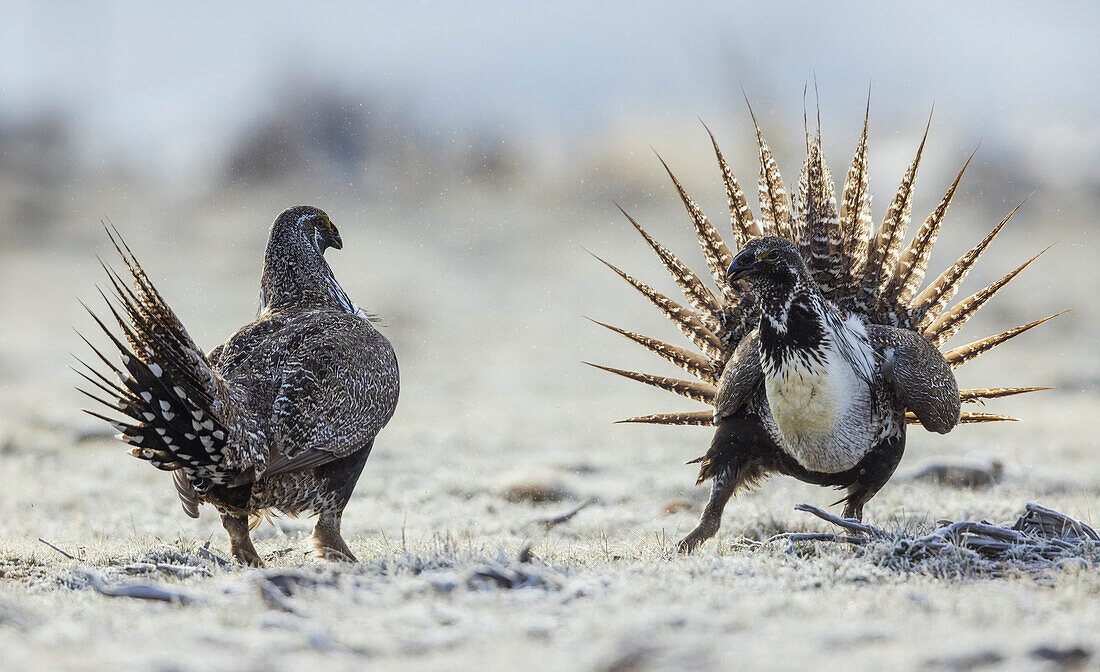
point(257, 423)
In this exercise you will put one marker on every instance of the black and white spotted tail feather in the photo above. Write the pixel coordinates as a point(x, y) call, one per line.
point(167, 395)
point(872, 273)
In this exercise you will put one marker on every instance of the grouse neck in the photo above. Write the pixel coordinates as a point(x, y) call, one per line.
point(296, 275)
point(792, 325)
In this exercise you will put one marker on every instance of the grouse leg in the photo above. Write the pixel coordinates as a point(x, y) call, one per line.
point(733, 461)
point(875, 470)
point(711, 520)
point(239, 541)
point(340, 477)
point(328, 544)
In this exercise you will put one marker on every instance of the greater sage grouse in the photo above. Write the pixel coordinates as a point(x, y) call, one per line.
point(281, 416)
point(818, 346)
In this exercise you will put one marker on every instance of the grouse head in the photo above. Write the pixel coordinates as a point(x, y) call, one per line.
point(770, 265)
point(308, 223)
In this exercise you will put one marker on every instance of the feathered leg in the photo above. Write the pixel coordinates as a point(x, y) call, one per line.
point(239, 541)
point(328, 544)
point(720, 492)
point(736, 459)
point(873, 472)
point(341, 476)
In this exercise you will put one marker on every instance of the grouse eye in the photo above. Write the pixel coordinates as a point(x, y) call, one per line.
point(773, 255)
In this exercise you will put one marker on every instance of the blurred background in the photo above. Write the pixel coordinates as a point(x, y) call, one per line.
point(471, 152)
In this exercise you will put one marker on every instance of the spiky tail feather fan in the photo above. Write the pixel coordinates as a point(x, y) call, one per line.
point(869, 272)
point(172, 401)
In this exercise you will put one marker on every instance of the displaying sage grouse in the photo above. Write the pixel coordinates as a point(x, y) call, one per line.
point(281, 416)
point(818, 346)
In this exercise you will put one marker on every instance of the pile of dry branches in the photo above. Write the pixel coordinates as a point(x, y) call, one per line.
point(1041, 541)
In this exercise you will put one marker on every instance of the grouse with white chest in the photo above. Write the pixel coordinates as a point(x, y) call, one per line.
point(281, 416)
point(818, 347)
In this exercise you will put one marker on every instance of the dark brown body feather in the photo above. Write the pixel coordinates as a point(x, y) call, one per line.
point(282, 416)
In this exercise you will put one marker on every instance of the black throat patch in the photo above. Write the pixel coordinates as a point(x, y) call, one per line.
point(799, 333)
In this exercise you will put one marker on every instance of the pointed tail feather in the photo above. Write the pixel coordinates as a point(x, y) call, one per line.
point(692, 362)
point(948, 324)
point(775, 207)
point(715, 250)
point(697, 294)
point(798, 207)
point(931, 301)
point(982, 395)
point(821, 242)
point(964, 353)
point(914, 262)
point(855, 212)
point(687, 321)
point(692, 389)
point(741, 219)
point(687, 418)
point(879, 275)
point(968, 418)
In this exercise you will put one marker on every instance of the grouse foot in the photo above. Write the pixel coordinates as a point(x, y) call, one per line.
point(328, 544)
point(239, 541)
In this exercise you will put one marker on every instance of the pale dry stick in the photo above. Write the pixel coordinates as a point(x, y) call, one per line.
point(846, 523)
point(181, 571)
point(966, 527)
point(820, 536)
point(1052, 522)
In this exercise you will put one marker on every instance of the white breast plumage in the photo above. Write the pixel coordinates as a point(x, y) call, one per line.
point(821, 406)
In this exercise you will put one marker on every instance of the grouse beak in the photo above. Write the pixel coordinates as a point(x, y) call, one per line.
point(738, 268)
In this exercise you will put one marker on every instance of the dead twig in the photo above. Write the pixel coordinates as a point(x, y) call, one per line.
point(139, 591)
point(181, 571)
point(274, 596)
point(551, 521)
point(1040, 541)
point(71, 557)
point(204, 550)
point(846, 523)
point(1053, 523)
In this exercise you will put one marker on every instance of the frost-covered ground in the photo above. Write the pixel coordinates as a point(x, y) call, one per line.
point(483, 293)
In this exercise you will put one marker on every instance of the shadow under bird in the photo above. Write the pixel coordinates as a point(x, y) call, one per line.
point(281, 416)
point(819, 346)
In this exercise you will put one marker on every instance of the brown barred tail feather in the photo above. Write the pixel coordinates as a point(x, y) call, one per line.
point(814, 285)
point(686, 418)
point(775, 206)
point(879, 276)
point(715, 250)
point(744, 225)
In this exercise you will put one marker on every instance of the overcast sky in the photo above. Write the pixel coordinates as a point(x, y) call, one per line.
point(152, 78)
